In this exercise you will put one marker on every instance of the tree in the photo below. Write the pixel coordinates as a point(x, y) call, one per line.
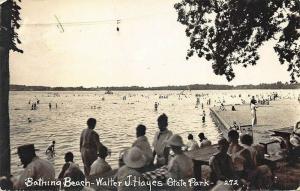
point(229, 32)
point(9, 19)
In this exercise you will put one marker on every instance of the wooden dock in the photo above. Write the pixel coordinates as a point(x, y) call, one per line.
point(277, 115)
point(277, 118)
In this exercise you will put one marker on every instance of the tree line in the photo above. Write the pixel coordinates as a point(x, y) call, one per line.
point(277, 85)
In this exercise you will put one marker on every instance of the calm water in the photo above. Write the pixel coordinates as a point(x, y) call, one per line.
point(116, 118)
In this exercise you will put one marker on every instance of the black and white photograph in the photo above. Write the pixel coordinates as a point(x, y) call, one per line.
point(150, 95)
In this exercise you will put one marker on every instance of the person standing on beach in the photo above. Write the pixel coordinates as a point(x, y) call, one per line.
point(253, 111)
point(89, 145)
point(160, 141)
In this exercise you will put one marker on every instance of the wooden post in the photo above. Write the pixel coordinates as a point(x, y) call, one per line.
point(5, 24)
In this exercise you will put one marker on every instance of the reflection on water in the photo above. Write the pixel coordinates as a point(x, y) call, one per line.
point(116, 118)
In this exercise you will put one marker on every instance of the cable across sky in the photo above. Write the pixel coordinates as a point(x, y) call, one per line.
point(90, 22)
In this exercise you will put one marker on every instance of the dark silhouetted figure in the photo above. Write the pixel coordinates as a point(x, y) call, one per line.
point(155, 106)
point(160, 141)
point(51, 148)
point(89, 145)
point(233, 108)
point(35, 168)
point(5, 183)
point(69, 157)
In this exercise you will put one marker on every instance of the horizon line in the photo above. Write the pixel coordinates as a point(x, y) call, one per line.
point(140, 86)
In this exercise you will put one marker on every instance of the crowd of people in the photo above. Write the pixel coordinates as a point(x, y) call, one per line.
point(237, 160)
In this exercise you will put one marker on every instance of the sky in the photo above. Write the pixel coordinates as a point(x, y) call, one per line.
point(149, 49)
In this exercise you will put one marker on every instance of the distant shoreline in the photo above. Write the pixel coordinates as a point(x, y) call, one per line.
point(278, 85)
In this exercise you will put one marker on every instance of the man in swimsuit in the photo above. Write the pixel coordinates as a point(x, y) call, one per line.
point(89, 145)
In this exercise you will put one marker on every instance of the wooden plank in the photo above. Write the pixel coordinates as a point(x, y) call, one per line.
point(203, 154)
point(283, 132)
point(274, 158)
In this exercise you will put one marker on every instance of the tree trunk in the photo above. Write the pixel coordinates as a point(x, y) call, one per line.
point(5, 23)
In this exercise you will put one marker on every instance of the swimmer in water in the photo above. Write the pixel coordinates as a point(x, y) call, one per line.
point(155, 106)
point(29, 120)
point(51, 149)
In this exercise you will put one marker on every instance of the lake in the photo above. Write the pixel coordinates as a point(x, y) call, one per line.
point(116, 118)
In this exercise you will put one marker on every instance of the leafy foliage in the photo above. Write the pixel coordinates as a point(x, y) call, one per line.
point(11, 10)
point(15, 25)
point(229, 32)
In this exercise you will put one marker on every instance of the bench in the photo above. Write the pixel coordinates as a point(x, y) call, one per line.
point(266, 143)
point(201, 157)
point(272, 160)
point(283, 132)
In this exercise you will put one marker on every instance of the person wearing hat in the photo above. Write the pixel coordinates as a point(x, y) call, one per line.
point(89, 145)
point(35, 167)
point(143, 143)
point(160, 141)
point(134, 161)
point(180, 167)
